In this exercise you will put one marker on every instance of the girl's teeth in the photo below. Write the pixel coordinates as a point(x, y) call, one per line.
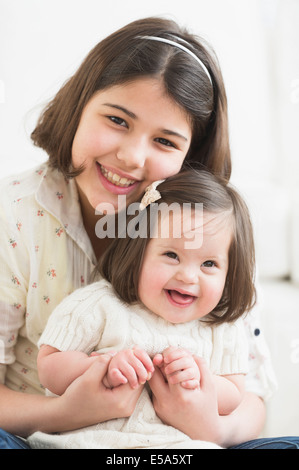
point(116, 179)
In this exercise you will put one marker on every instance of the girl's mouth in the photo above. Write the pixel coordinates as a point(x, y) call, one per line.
point(116, 179)
point(179, 299)
point(115, 183)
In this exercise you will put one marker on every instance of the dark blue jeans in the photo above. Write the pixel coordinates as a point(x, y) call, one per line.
point(289, 442)
point(9, 441)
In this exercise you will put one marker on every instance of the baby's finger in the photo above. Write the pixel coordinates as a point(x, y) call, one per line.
point(142, 373)
point(206, 381)
point(179, 364)
point(144, 358)
point(129, 371)
point(158, 360)
point(117, 377)
point(172, 354)
point(182, 376)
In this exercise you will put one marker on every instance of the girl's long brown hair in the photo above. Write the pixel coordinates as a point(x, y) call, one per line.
point(124, 57)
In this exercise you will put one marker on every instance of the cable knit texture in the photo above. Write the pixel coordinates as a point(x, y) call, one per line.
point(94, 319)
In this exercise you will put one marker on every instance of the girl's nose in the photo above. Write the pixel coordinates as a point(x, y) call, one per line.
point(188, 275)
point(133, 154)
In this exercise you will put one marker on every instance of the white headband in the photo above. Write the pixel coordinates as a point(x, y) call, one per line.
point(183, 48)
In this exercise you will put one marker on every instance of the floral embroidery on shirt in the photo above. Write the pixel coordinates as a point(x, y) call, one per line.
point(17, 306)
point(40, 213)
point(51, 273)
point(15, 280)
point(59, 195)
point(59, 231)
point(34, 285)
point(19, 225)
point(46, 299)
point(12, 242)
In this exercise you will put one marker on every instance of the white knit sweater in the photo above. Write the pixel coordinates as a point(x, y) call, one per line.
point(94, 319)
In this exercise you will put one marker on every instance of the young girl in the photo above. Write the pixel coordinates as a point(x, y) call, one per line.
point(163, 299)
point(138, 108)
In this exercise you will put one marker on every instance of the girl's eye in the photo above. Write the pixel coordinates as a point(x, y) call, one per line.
point(208, 264)
point(118, 121)
point(172, 255)
point(165, 142)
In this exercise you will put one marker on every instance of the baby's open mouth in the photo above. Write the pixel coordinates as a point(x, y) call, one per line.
point(179, 298)
point(116, 179)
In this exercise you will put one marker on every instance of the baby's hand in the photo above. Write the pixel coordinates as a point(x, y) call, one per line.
point(133, 366)
point(178, 367)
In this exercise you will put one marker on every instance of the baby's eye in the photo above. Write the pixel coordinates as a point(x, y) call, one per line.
point(165, 142)
point(171, 254)
point(208, 264)
point(118, 121)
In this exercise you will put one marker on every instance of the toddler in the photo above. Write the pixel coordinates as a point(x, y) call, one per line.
point(178, 292)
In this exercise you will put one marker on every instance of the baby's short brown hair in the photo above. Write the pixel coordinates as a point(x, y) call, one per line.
point(121, 263)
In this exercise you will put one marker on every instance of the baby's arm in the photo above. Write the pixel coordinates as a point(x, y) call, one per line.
point(58, 369)
point(230, 392)
point(133, 366)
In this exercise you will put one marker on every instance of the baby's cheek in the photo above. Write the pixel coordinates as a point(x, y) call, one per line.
point(213, 294)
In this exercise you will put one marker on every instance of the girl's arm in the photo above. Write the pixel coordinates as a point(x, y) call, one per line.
point(86, 402)
point(58, 369)
point(245, 423)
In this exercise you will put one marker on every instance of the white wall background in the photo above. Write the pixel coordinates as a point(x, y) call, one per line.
point(42, 42)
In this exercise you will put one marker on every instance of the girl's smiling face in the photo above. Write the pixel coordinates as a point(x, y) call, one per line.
point(129, 136)
point(183, 284)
